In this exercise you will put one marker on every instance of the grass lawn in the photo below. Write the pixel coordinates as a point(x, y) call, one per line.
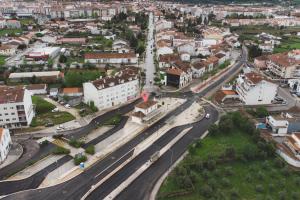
point(2, 60)
point(55, 118)
point(41, 105)
point(27, 21)
point(288, 44)
point(251, 179)
point(10, 32)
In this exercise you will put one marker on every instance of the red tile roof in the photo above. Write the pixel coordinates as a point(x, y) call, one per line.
point(108, 55)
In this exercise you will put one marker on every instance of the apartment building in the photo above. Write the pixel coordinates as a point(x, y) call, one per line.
point(16, 108)
point(253, 89)
point(113, 90)
point(285, 65)
point(5, 142)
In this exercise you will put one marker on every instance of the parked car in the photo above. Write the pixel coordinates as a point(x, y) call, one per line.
point(49, 124)
point(55, 110)
point(67, 106)
point(60, 127)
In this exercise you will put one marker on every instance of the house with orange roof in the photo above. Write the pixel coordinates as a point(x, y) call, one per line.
point(178, 75)
point(5, 143)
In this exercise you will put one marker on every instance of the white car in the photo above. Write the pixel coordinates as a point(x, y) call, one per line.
point(60, 127)
point(207, 116)
point(55, 110)
point(67, 106)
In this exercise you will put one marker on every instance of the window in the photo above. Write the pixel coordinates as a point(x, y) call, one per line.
point(7, 120)
point(12, 113)
point(14, 119)
point(11, 107)
point(6, 113)
point(5, 108)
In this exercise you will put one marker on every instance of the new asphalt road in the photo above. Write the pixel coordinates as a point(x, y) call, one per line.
point(76, 187)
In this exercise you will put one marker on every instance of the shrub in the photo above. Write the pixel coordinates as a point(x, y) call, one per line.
point(44, 143)
point(207, 191)
point(282, 195)
point(225, 182)
point(61, 150)
point(259, 188)
point(79, 159)
point(297, 181)
point(234, 193)
point(90, 149)
point(76, 143)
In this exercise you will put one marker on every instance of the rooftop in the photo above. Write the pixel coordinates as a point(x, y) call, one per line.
point(10, 94)
point(146, 104)
point(108, 55)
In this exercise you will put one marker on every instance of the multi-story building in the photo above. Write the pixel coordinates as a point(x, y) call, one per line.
point(253, 89)
point(5, 142)
point(112, 90)
point(285, 65)
point(111, 58)
point(16, 108)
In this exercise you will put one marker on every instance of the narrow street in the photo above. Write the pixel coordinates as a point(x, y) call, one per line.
point(149, 61)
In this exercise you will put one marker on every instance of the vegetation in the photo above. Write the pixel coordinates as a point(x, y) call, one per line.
point(115, 120)
point(41, 105)
point(90, 150)
point(77, 78)
point(10, 32)
point(254, 51)
point(287, 44)
point(259, 112)
point(232, 162)
point(54, 117)
point(242, 16)
point(76, 143)
point(225, 64)
point(2, 60)
point(79, 159)
point(60, 151)
point(85, 109)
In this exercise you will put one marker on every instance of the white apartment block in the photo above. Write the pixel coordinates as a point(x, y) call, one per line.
point(5, 142)
point(16, 108)
point(254, 90)
point(111, 91)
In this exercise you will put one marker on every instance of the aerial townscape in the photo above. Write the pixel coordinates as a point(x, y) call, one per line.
point(149, 100)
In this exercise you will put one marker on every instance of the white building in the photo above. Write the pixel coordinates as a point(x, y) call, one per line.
point(254, 90)
point(5, 142)
point(16, 108)
point(111, 58)
point(35, 89)
point(145, 111)
point(112, 90)
point(43, 53)
point(278, 125)
point(7, 50)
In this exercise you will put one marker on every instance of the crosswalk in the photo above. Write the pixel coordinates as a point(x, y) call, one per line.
point(59, 142)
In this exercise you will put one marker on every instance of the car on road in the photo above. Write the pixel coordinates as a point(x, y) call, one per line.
point(49, 124)
point(60, 127)
point(67, 106)
point(207, 116)
point(55, 110)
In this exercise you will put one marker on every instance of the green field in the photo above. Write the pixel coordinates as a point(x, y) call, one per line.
point(231, 165)
point(288, 44)
point(10, 32)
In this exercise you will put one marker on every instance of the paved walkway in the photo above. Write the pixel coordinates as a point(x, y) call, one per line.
point(15, 152)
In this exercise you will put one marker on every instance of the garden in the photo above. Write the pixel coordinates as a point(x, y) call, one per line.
point(232, 162)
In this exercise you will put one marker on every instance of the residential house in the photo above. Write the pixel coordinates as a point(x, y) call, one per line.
point(36, 89)
point(278, 125)
point(47, 76)
point(7, 50)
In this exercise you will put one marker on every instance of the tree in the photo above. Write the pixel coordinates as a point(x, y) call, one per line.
point(63, 59)
point(254, 51)
point(225, 124)
point(261, 112)
point(213, 129)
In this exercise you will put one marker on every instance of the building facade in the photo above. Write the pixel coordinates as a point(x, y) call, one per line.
point(5, 142)
point(16, 108)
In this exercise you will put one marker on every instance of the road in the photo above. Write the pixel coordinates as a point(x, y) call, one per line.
point(149, 62)
point(78, 186)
